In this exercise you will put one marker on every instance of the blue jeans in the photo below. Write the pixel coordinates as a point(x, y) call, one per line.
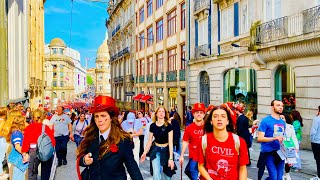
point(61, 147)
point(3, 145)
point(156, 167)
point(275, 166)
point(194, 169)
point(18, 174)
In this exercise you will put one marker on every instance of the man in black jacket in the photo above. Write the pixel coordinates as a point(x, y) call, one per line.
point(243, 128)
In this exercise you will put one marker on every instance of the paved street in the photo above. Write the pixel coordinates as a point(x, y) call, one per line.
point(69, 172)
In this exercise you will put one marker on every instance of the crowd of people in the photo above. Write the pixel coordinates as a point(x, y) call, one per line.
point(111, 144)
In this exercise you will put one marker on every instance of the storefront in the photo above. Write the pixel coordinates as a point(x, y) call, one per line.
point(239, 86)
point(285, 87)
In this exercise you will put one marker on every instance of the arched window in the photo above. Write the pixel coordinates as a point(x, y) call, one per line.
point(285, 87)
point(239, 86)
point(204, 88)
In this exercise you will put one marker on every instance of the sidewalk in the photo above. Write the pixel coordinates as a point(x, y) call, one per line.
point(307, 160)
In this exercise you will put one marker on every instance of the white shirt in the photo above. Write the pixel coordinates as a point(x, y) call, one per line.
point(105, 134)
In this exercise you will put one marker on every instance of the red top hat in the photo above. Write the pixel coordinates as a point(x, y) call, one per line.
point(210, 107)
point(104, 103)
point(198, 107)
point(239, 108)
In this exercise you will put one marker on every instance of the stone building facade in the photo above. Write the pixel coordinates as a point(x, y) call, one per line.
point(257, 51)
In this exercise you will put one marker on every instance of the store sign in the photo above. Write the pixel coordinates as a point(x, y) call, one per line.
point(173, 92)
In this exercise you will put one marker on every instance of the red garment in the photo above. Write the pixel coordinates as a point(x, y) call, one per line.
point(234, 118)
point(32, 133)
point(222, 160)
point(193, 134)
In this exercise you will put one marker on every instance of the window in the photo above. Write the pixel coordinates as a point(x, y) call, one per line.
point(183, 56)
point(149, 36)
point(172, 60)
point(61, 66)
point(60, 51)
point(172, 23)
point(54, 50)
point(285, 87)
point(227, 23)
point(141, 40)
point(61, 84)
point(54, 75)
point(239, 86)
point(141, 67)
point(159, 3)
point(149, 7)
point(149, 64)
point(272, 9)
point(183, 15)
point(61, 74)
point(54, 83)
point(141, 15)
point(159, 63)
point(159, 30)
point(246, 14)
point(202, 30)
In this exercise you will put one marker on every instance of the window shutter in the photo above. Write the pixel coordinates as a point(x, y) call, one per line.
point(236, 19)
point(209, 29)
point(219, 23)
point(196, 34)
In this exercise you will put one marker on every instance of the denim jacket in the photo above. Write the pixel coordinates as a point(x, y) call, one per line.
point(315, 130)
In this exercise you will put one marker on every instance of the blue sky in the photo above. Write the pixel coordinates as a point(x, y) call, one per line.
point(88, 25)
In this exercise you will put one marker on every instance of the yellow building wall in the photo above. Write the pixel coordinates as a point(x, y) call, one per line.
point(36, 51)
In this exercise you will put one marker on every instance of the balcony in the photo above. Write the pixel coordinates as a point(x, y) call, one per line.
point(311, 20)
point(217, 1)
point(149, 78)
point(116, 80)
point(141, 79)
point(126, 50)
point(130, 78)
point(202, 50)
point(120, 54)
point(159, 77)
point(114, 32)
point(303, 23)
point(201, 6)
point(171, 76)
point(272, 30)
point(121, 79)
point(182, 75)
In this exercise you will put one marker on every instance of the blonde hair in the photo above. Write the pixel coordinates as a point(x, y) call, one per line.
point(166, 117)
point(38, 114)
point(249, 115)
point(15, 113)
point(3, 113)
point(18, 123)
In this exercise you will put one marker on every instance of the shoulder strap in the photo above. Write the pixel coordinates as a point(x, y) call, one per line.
point(86, 121)
point(77, 122)
point(236, 142)
point(204, 144)
point(43, 128)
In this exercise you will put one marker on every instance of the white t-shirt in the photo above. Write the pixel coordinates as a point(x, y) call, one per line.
point(130, 125)
point(60, 124)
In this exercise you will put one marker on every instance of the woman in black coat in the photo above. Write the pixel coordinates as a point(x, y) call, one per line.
point(106, 148)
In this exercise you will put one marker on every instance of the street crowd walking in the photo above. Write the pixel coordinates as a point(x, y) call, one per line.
point(113, 145)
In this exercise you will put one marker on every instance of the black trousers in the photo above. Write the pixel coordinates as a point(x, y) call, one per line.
point(33, 166)
point(316, 154)
point(61, 147)
point(141, 138)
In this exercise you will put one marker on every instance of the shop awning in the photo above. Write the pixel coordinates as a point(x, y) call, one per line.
point(138, 97)
point(145, 98)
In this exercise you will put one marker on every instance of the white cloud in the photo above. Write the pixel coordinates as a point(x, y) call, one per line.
point(55, 10)
point(93, 3)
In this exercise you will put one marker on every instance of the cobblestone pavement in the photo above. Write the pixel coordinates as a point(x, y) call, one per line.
point(69, 171)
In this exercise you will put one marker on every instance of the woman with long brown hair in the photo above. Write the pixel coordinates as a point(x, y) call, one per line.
point(106, 148)
point(15, 136)
point(162, 151)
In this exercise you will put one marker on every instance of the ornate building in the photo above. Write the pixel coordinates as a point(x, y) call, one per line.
point(36, 52)
point(121, 25)
point(103, 86)
point(256, 51)
point(59, 73)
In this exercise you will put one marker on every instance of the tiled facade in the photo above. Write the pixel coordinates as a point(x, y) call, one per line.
point(257, 51)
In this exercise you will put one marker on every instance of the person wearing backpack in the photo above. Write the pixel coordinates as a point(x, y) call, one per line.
point(3, 143)
point(79, 128)
point(30, 149)
point(222, 154)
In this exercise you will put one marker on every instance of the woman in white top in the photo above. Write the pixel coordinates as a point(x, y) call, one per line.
point(79, 127)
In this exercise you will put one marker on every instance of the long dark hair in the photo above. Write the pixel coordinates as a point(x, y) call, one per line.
point(208, 127)
point(92, 133)
point(296, 116)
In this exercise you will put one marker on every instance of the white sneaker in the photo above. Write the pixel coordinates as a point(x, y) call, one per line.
point(287, 176)
point(315, 178)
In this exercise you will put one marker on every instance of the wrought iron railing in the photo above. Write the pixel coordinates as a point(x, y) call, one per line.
point(121, 79)
point(200, 4)
point(171, 76)
point(159, 77)
point(311, 19)
point(141, 79)
point(202, 50)
point(114, 32)
point(116, 79)
point(182, 74)
point(150, 78)
point(272, 30)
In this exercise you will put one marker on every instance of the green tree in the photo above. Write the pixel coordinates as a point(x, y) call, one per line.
point(89, 80)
